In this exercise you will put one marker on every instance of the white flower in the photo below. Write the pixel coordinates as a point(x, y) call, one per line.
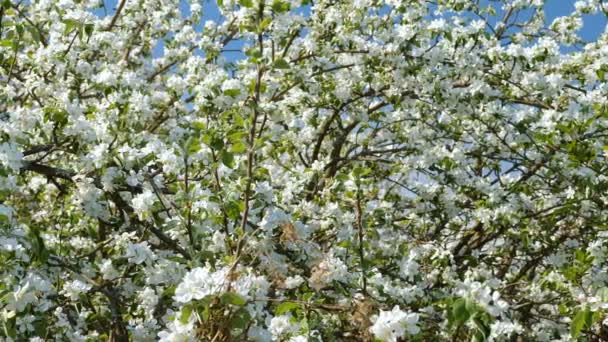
point(570, 192)
point(231, 84)
point(598, 251)
point(265, 190)
point(142, 203)
point(409, 267)
point(293, 282)
point(107, 180)
point(106, 77)
point(74, 288)
point(502, 329)
point(199, 283)
point(133, 178)
point(10, 245)
point(6, 212)
point(273, 218)
point(10, 156)
point(218, 241)
point(20, 298)
point(137, 253)
point(196, 9)
point(282, 325)
point(107, 270)
point(258, 334)
point(391, 325)
point(178, 332)
point(437, 25)
point(97, 154)
point(90, 198)
point(328, 270)
point(483, 295)
point(148, 299)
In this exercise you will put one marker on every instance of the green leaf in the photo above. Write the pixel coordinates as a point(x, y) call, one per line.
point(227, 159)
point(361, 171)
point(56, 115)
point(169, 291)
point(581, 321)
point(237, 136)
point(194, 145)
point(281, 64)
point(459, 311)
point(38, 248)
point(33, 32)
point(233, 209)
point(199, 126)
point(264, 24)
point(344, 244)
point(9, 326)
point(216, 143)
point(280, 6)
point(88, 29)
point(233, 299)
point(246, 3)
point(286, 307)
point(239, 147)
point(70, 25)
point(254, 53)
point(8, 43)
point(186, 312)
point(232, 92)
point(240, 320)
point(483, 328)
point(20, 30)
point(603, 294)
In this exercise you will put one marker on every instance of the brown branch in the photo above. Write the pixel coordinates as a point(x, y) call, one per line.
point(188, 200)
point(116, 15)
point(38, 149)
point(48, 171)
point(359, 220)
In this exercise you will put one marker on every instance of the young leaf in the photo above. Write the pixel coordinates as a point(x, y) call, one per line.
point(459, 311)
point(228, 159)
point(246, 3)
point(280, 6)
point(286, 307)
point(281, 64)
point(233, 299)
point(581, 321)
point(240, 319)
point(185, 315)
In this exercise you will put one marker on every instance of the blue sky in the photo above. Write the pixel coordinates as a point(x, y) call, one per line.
point(593, 25)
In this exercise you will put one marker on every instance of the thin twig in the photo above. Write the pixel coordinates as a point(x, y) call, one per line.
point(116, 15)
point(359, 220)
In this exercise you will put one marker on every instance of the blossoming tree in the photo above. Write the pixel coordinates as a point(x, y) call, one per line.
point(309, 170)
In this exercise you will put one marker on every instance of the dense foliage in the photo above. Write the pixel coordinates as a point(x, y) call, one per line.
point(302, 171)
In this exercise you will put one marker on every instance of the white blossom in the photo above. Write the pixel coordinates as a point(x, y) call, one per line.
point(73, 289)
point(391, 325)
point(200, 282)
